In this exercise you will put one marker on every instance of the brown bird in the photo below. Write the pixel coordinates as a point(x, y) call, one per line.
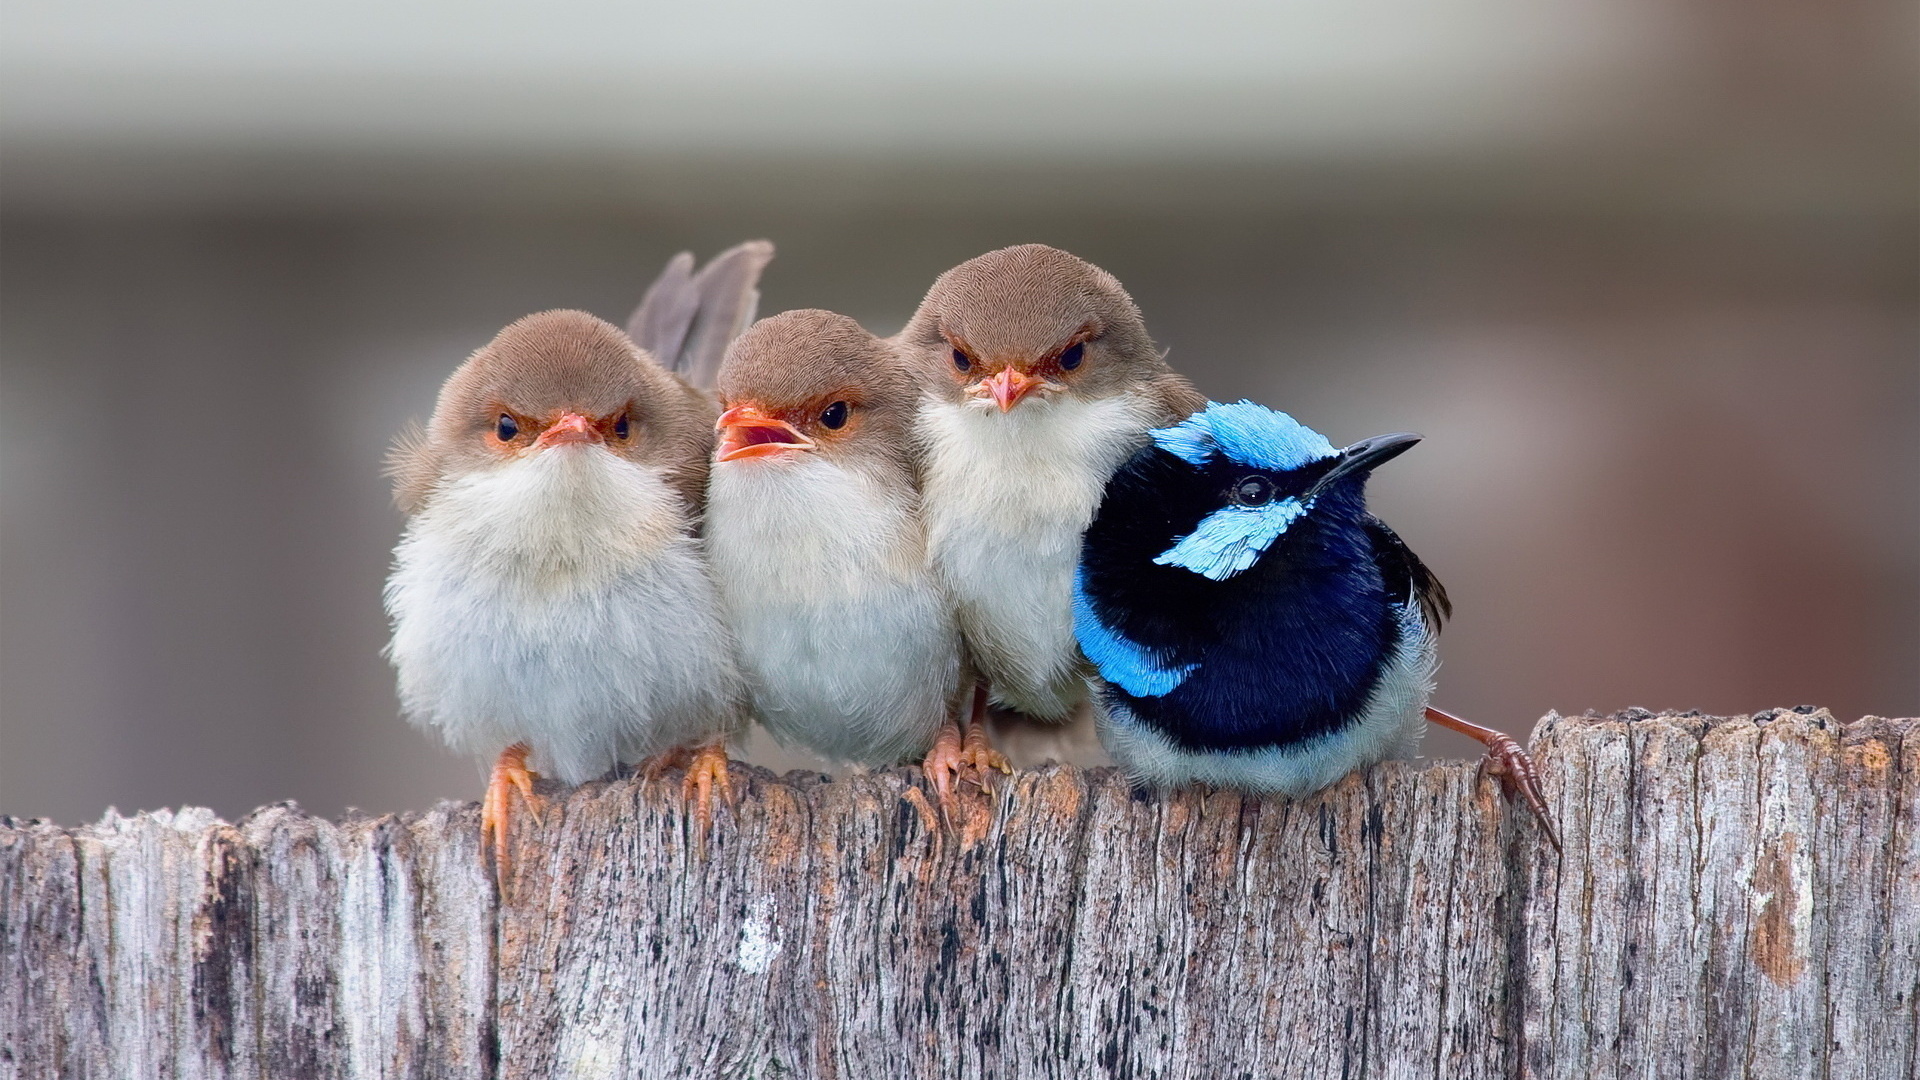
point(813, 527)
point(550, 603)
point(1047, 381)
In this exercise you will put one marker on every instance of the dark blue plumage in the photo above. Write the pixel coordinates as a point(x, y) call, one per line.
point(1253, 625)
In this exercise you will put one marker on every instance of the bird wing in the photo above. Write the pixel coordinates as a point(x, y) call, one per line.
point(1407, 575)
point(687, 318)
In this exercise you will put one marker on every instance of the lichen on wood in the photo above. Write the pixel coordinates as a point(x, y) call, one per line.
point(1738, 897)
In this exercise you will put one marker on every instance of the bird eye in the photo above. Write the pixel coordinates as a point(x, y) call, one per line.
point(506, 429)
point(1255, 490)
point(835, 416)
point(620, 427)
point(1072, 357)
point(961, 361)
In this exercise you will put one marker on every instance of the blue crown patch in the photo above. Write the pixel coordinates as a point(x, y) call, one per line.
point(1245, 433)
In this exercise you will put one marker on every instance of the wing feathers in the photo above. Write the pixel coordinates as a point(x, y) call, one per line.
point(1406, 572)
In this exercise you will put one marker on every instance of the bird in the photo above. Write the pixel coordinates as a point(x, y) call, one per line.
point(1048, 382)
point(848, 643)
point(549, 600)
point(1252, 625)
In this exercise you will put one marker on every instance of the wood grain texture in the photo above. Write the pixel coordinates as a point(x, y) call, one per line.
point(1739, 898)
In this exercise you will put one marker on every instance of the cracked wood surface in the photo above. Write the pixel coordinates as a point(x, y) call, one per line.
point(1739, 897)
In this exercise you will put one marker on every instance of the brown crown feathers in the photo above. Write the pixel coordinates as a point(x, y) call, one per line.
point(795, 367)
point(538, 368)
point(1026, 307)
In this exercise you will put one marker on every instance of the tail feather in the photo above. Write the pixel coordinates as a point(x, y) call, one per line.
point(687, 319)
point(660, 324)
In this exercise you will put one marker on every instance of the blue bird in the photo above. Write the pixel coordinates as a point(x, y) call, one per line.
point(1253, 626)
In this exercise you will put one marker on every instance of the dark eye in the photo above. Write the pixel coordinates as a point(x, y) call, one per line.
point(1072, 357)
point(620, 427)
point(960, 360)
point(1255, 490)
point(507, 429)
point(835, 416)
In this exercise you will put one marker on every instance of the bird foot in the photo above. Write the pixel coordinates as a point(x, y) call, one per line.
point(1512, 766)
point(955, 760)
point(707, 772)
point(982, 758)
point(510, 774)
point(665, 761)
point(943, 763)
point(1507, 762)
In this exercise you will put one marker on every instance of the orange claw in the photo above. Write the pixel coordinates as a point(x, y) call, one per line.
point(707, 771)
point(980, 756)
point(510, 772)
point(968, 758)
point(1506, 762)
point(675, 758)
point(944, 762)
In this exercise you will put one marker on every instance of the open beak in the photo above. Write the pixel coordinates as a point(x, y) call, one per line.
point(1363, 457)
point(746, 432)
point(1009, 385)
point(570, 428)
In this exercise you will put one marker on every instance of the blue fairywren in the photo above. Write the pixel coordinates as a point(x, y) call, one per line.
point(1254, 627)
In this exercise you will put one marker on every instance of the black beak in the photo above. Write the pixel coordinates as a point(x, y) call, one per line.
point(1363, 457)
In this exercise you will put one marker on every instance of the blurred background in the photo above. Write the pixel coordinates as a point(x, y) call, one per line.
point(1644, 273)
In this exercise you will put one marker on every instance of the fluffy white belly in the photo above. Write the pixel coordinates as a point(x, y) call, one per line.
point(846, 640)
point(597, 644)
point(1008, 497)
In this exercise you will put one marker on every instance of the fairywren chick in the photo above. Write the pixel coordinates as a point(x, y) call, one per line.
point(814, 530)
point(1253, 625)
point(548, 599)
point(1049, 383)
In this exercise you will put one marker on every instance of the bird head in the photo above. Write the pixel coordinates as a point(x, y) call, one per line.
point(1023, 325)
point(811, 384)
point(553, 387)
point(1228, 482)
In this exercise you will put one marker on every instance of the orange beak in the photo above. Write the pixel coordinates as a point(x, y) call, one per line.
point(1009, 385)
point(746, 432)
point(570, 428)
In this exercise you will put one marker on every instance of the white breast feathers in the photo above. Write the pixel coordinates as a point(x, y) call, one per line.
point(848, 644)
point(1007, 497)
point(558, 600)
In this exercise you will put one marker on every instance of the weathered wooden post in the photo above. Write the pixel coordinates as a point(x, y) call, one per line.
point(1739, 897)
